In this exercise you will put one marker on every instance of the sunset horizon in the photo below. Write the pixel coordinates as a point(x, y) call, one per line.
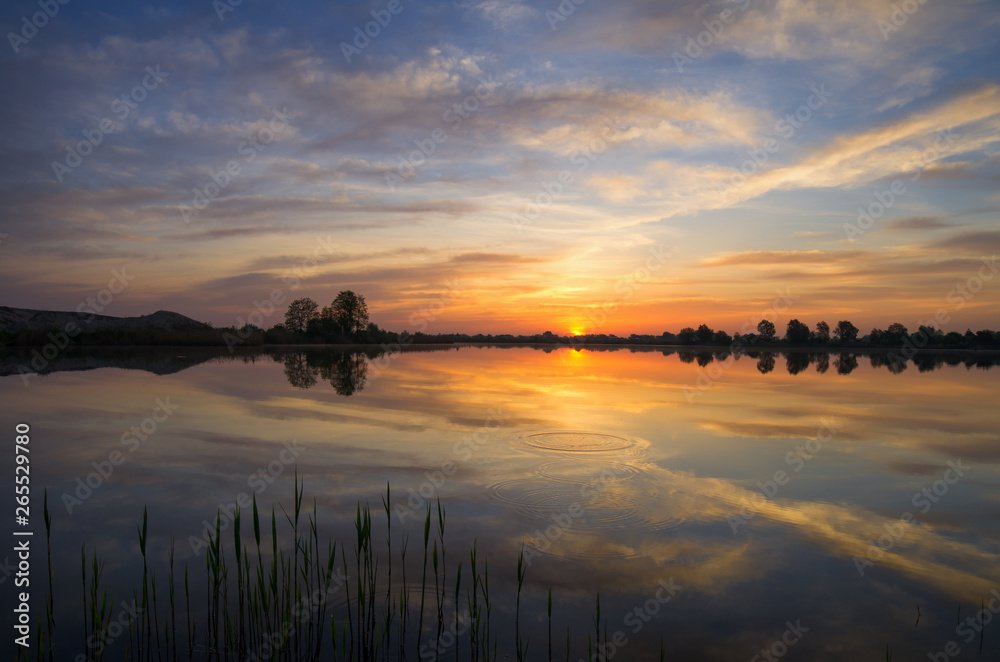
point(518, 168)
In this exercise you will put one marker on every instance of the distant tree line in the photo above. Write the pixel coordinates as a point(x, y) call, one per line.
point(346, 321)
point(843, 334)
point(842, 362)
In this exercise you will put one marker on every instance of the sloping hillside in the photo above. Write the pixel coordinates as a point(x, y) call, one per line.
point(14, 320)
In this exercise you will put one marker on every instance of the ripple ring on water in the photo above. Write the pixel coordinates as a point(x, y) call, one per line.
point(576, 442)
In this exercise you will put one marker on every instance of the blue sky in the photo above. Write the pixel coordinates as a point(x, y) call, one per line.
point(591, 182)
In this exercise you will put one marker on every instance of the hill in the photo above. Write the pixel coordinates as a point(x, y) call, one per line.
point(15, 320)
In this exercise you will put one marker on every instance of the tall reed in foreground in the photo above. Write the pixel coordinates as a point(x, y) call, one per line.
point(274, 601)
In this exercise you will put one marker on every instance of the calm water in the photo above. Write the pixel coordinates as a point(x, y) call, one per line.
point(620, 472)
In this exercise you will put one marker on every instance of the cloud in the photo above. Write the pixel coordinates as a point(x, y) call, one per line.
point(563, 119)
point(971, 243)
point(774, 258)
point(504, 14)
point(495, 259)
point(911, 85)
point(919, 223)
point(899, 147)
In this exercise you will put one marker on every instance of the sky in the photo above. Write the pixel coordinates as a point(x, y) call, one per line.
point(582, 166)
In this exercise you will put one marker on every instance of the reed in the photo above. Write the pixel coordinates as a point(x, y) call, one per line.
point(273, 601)
point(49, 620)
point(522, 649)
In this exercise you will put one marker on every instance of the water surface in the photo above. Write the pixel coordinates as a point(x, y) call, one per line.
point(847, 496)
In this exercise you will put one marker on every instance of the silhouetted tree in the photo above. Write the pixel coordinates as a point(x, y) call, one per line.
point(796, 362)
point(822, 363)
point(324, 328)
point(349, 313)
point(704, 334)
point(722, 338)
point(927, 362)
point(298, 372)
point(765, 363)
point(893, 361)
point(797, 332)
point(766, 330)
point(348, 372)
point(896, 334)
point(687, 335)
point(954, 339)
point(300, 312)
point(846, 364)
point(846, 332)
point(822, 332)
point(985, 337)
point(931, 335)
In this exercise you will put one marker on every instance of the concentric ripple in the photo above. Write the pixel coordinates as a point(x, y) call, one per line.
point(583, 471)
point(589, 502)
point(576, 442)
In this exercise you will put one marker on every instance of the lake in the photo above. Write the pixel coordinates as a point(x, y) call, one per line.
point(808, 506)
